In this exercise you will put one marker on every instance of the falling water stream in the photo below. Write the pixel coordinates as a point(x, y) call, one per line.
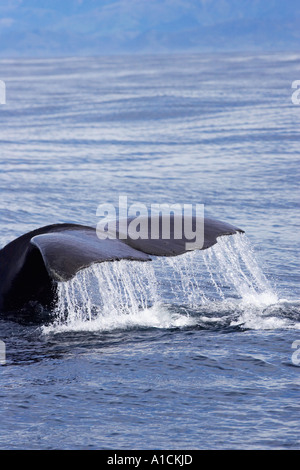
point(221, 285)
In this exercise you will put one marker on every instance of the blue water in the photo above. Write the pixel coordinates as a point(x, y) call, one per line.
point(199, 353)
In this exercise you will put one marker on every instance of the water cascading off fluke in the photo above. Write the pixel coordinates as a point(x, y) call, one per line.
point(111, 293)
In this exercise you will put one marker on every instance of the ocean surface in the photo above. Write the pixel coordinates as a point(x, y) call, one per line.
point(193, 352)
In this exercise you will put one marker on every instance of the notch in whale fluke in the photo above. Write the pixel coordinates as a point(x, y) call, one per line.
point(33, 264)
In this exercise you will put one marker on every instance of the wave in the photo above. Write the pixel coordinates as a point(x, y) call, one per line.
point(222, 287)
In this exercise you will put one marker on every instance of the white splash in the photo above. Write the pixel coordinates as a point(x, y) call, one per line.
point(222, 284)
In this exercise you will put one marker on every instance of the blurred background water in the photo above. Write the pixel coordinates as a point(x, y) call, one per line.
point(200, 366)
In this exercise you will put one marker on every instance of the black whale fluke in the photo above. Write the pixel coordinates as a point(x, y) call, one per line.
point(33, 264)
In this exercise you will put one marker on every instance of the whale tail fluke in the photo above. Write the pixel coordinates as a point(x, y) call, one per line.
point(33, 264)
